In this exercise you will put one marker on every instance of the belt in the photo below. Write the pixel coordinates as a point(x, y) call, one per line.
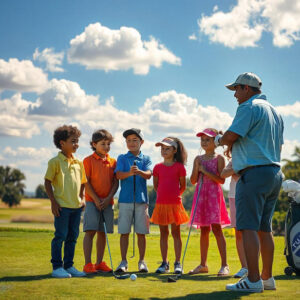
point(258, 166)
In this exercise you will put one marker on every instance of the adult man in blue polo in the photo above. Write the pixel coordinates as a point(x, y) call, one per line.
point(256, 137)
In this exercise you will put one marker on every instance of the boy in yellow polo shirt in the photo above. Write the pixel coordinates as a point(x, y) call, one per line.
point(64, 182)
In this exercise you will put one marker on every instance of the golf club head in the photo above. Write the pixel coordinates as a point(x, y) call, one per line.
point(123, 276)
point(172, 279)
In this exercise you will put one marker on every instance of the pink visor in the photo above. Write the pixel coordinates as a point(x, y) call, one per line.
point(207, 132)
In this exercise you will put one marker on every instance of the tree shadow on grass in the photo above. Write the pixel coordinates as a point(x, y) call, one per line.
point(25, 278)
point(224, 295)
point(41, 277)
point(186, 277)
point(285, 277)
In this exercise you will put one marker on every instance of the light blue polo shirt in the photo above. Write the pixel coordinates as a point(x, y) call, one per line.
point(260, 129)
point(124, 162)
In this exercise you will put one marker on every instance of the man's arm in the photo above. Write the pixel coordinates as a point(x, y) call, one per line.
point(228, 138)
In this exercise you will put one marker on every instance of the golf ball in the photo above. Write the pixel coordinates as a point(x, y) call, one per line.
point(133, 277)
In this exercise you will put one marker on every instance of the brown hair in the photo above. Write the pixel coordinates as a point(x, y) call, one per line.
point(181, 154)
point(100, 135)
point(62, 133)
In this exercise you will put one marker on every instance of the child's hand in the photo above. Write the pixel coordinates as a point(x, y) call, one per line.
point(82, 204)
point(55, 208)
point(134, 170)
point(105, 203)
point(201, 168)
point(98, 204)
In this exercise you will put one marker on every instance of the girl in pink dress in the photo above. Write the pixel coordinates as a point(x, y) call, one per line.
point(210, 213)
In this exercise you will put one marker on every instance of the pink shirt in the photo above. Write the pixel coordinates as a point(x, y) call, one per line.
point(168, 190)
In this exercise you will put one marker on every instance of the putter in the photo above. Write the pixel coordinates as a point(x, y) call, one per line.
point(123, 276)
point(133, 237)
point(175, 278)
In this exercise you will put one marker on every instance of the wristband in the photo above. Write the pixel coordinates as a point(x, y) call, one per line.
point(217, 140)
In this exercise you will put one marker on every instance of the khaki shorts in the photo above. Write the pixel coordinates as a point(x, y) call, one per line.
point(126, 218)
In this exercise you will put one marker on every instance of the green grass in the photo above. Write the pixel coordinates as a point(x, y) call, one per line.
point(25, 271)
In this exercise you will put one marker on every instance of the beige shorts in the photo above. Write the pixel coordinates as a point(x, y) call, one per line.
point(232, 211)
point(125, 219)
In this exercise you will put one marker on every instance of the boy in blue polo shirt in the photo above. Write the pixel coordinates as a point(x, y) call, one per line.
point(130, 203)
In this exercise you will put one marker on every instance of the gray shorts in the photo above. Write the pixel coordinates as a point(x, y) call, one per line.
point(256, 194)
point(92, 219)
point(126, 218)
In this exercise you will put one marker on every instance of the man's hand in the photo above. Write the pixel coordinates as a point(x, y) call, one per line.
point(55, 208)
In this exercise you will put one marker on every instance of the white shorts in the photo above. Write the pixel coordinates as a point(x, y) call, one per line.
point(125, 220)
point(232, 211)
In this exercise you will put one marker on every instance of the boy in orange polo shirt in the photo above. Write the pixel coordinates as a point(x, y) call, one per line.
point(99, 191)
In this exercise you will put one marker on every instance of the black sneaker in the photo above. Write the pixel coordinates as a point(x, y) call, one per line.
point(163, 268)
point(177, 267)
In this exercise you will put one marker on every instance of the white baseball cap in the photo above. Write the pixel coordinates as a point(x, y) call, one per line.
point(167, 142)
point(249, 79)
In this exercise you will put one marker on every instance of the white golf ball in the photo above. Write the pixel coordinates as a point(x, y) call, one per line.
point(133, 277)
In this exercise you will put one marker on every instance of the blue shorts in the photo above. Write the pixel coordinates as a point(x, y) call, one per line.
point(256, 194)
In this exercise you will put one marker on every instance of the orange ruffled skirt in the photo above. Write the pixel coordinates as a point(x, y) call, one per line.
point(165, 214)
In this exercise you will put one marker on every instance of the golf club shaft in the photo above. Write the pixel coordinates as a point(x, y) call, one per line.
point(111, 263)
point(134, 188)
point(196, 204)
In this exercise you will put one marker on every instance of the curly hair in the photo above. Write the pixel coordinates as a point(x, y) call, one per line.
point(181, 154)
point(62, 133)
point(100, 135)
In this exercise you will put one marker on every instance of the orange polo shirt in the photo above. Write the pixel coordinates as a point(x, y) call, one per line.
point(100, 173)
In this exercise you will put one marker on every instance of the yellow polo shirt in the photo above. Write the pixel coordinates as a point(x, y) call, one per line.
point(66, 176)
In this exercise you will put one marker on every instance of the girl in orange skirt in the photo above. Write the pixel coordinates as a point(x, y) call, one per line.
point(169, 183)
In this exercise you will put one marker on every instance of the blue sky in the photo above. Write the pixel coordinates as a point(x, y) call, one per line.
point(157, 65)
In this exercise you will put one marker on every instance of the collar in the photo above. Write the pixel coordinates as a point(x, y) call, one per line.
point(257, 96)
point(104, 160)
point(139, 156)
point(64, 158)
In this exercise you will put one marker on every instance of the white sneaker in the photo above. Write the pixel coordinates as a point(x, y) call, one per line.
point(123, 267)
point(224, 271)
point(241, 273)
point(61, 273)
point(142, 267)
point(245, 285)
point(75, 273)
point(269, 284)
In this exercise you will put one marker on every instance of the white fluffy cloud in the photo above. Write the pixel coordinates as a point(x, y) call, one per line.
point(63, 98)
point(177, 114)
point(290, 109)
point(244, 24)
point(21, 76)
point(100, 47)
point(52, 60)
point(14, 119)
point(288, 148)
point(27, 156)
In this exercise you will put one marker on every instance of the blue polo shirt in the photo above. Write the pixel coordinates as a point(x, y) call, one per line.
point(260, 129)
point(124, 162)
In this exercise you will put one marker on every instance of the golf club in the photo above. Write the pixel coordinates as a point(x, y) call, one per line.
point(133, 238)
point(175, 278)
point(123, 276)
